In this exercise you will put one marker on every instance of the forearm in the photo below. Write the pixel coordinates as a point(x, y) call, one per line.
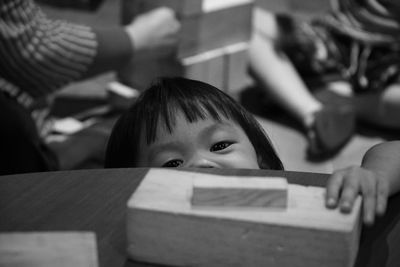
point(114, 51)
point(384, 159)
point(40, 55)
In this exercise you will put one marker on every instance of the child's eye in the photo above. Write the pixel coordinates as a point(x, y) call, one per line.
point(220, 146)
point(172, 163)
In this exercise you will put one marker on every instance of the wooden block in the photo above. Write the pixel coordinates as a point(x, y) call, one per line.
point(239, 192)
point(163, 228)
point(215, 69)
point(215, 29)
point(217, 24)
point(48, 249)
point(121, 97)
point(139, 74)
point(182, 8)
point(213, 5)
point(276, 6)
point(208, 67)
point(237, 62)
point(224, 68)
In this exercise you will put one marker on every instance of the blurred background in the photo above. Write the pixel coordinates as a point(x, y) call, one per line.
point(85, 112)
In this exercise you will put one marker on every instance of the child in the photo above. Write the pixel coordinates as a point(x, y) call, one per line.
point(175, 116)
point(179, 122)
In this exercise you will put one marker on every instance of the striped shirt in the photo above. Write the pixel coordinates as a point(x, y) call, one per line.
point(39, 55)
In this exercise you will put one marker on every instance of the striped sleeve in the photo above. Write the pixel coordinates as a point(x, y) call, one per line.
point(39, 55)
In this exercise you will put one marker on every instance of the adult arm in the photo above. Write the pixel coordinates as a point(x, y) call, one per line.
point(40, 55)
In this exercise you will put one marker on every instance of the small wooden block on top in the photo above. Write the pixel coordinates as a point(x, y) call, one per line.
point(240, 192)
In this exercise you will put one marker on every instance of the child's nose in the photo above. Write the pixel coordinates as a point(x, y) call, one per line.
point(202, 162)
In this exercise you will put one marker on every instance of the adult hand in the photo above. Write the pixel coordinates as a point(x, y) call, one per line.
point(155, 33)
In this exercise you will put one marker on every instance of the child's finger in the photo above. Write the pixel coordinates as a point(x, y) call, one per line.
point(333, 188)
point(350, 191)
point(369, 204)
point(369, 187)
point(381, 197)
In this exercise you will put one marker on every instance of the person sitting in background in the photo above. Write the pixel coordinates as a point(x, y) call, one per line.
point(40, 55)
point(356, 46)
point(182, 123)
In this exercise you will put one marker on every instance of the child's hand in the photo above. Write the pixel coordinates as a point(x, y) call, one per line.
point(344, 186)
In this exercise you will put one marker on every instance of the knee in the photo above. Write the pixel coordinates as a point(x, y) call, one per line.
point(389, 106)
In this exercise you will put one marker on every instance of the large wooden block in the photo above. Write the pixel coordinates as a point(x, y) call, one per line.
point(224, 68)
point(215, 29)
point(236, 68)
point(183, 8)
point(139, 74)
point(216, 24)
point(290, 6)
point(162, 227)
point(208, 67)
point(235, 192)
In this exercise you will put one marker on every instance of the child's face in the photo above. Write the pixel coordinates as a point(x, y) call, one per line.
point(202, 144)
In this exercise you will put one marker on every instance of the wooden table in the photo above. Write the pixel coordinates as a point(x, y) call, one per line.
point(95, 200)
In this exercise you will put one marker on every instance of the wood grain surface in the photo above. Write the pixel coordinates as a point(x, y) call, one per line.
point(236, 192)
point(164, 228)
point(48, 249)
point(95, 200)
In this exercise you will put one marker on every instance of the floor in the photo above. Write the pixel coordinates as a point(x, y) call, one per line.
point(291, 143)
point(84, 150)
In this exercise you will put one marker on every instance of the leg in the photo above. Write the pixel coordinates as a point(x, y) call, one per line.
point(22, 150)
point(386, 107)
point(328, 129)
point(276, 74)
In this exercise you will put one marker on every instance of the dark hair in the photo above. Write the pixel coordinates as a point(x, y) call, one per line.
point(196, 100)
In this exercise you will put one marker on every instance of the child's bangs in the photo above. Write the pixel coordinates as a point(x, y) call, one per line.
point(193, 109)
